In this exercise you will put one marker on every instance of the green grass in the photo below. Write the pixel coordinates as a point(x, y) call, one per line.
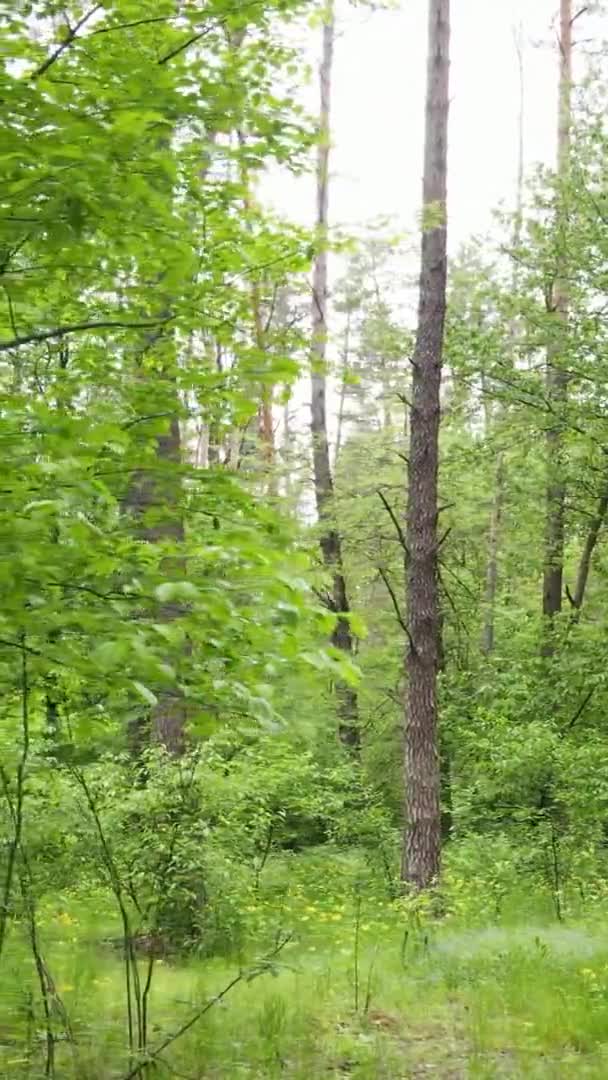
point(449, 1000)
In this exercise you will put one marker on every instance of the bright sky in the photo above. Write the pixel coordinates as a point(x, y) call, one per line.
point(378, 111)
point(378, 120)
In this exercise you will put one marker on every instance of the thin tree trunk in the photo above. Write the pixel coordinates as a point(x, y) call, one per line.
point(488, 630)
point(265, 414)
point(496, 514)
point(330, 541)
point(584, 565)
point(286, 449)
point(556, 377)
point(342, 401)
point(422, 835)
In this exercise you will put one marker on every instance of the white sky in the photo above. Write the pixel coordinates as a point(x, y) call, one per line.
point(378, 111)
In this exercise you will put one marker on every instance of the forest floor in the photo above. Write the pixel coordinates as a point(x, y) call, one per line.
point(353, 996)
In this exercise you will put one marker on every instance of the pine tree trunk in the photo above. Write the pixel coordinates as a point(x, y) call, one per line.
point(556, 377)
point(422, 836)
point(330, 540)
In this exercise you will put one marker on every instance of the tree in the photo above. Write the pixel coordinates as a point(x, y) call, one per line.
point(330, 540)
point(422, 837)
point(557, 377)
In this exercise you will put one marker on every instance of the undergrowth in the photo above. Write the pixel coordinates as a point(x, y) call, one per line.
point(361, 986)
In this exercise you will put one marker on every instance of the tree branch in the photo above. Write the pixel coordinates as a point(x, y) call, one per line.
point(184, 45)
point(395, 520)
point(579, 712)
point(130, 25)
point(400, 619)
point(65, 44)
point(61, 331)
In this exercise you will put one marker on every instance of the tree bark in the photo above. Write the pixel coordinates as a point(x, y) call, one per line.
point(157, 493)
point(556, 376)
point(330, 540)
point(422, 834)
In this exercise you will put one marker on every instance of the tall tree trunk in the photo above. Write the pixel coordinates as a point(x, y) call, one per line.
point(496, 514)
point(330, 541)
point(556, 377)
point(422, 835)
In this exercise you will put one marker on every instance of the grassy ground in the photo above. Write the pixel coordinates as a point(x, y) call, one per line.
point(361, 992)
point(484, 1003)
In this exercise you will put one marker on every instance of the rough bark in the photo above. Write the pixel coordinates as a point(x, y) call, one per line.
point(422, 834)
point(556, 376)
point(330, 540)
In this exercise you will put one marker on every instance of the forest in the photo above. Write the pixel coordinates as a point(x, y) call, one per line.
point(303, 573)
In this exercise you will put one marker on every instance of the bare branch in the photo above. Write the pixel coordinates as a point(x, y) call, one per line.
point(395, 520)
point(400, 618)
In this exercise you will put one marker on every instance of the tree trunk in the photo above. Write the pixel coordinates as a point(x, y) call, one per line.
point(556, 376)
point(584, 565)
point(422, 835)
point(342, 401)
point(265, 419)
point(330, 541)
point(488, 628)
point(487, 634)
point(157, 494)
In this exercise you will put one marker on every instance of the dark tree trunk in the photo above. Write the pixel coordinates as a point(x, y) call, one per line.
point(154, 499)
point(330, 541)
point(422, 837)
